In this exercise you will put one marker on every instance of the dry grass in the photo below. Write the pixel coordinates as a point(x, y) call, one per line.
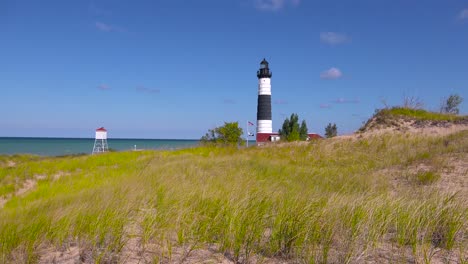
point(374, 199)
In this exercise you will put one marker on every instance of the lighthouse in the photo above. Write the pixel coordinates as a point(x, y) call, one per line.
point(264, 123)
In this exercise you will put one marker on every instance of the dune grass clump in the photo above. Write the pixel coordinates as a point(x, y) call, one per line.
point(328, 201)
point(427, 177)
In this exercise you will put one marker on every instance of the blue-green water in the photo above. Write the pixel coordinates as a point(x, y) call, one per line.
point(69, 146)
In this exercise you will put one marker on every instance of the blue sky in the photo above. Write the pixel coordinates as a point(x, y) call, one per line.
point(175, 68)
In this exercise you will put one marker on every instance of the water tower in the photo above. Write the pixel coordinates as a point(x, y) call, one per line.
point(100, 143)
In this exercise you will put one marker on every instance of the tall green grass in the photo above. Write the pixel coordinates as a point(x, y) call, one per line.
point(324, 201)
point(420, 114)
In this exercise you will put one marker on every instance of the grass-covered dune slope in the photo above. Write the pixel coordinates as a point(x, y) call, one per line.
point(391, 198)
point(403, 118)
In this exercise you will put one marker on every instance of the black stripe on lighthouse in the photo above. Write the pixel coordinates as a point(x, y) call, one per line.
point(264, 107)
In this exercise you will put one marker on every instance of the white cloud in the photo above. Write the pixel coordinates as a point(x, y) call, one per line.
point(103, 27)
point(463, 14)
point(333, 38)
point(295, 2)
point(108, 28)
point(229, 101)
point(144, 89)
point(103, 87)
point(346, 101)
point(274, 5)
point(97, 11)
point(331, 74)
point(280, 102)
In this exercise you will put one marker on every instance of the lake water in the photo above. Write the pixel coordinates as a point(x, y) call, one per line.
point(68, 146)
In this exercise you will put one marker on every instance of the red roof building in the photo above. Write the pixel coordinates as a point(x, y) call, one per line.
point(314, 136)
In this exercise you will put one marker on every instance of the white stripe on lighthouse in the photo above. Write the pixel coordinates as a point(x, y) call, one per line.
point(264, 86)
point(264, 126)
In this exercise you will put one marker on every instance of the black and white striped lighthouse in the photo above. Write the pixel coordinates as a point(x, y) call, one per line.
point(264, 123)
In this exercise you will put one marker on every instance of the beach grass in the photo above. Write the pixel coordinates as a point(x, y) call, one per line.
point(421, 114)
point(325, 201)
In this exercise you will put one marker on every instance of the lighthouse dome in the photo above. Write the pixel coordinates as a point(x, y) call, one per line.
point(264, 71)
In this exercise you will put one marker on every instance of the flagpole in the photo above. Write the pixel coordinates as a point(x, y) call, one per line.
point(248, 133)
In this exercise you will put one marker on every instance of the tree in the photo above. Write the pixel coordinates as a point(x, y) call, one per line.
point(230, 133)
point(412, 102)
point(303, 133)
point(451, 105)
point(331, 130)
point(291, 131)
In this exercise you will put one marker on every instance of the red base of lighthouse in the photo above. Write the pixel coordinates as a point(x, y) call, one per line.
point(265, 137)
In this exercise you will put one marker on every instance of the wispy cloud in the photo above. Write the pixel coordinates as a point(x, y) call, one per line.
point(143, 89)
point(280, 102)
point(333, 38)
point(108, 28)
point(331, 74)
point(103, 87)
point(295, 2)
point(229, 101)
point(97, 11)
point(346, 101)
point(274, 5)
point(103, 27)
point(463, 14)
point(325, 106)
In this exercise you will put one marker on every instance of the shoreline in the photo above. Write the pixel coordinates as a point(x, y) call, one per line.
point(51, 147)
